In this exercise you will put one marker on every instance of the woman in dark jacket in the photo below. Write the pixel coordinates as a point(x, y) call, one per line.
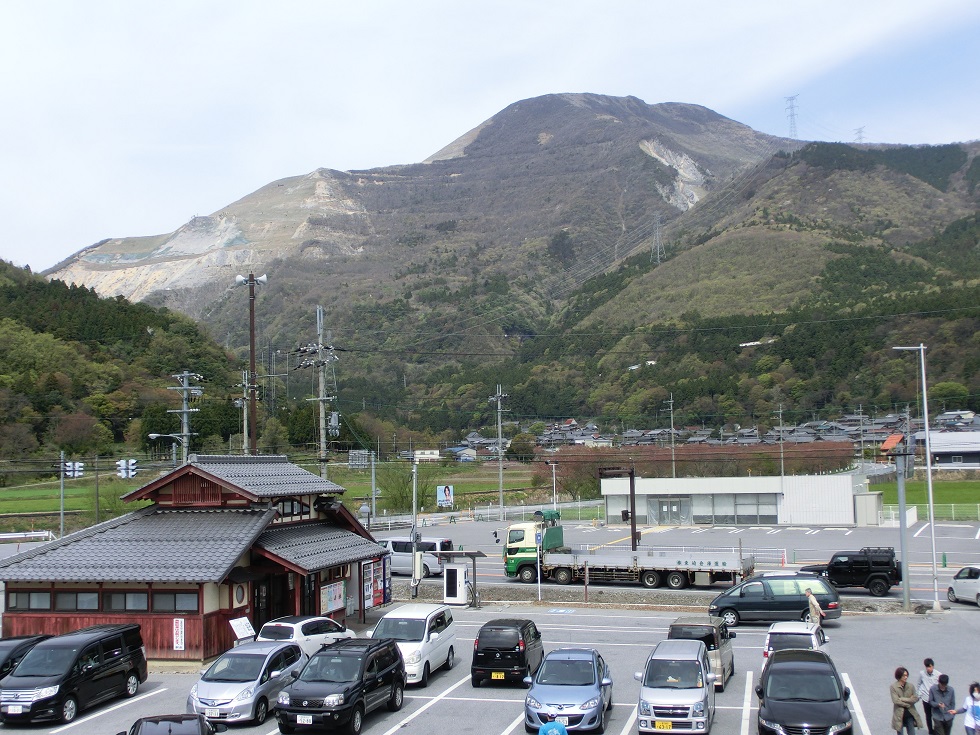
point(904, 714)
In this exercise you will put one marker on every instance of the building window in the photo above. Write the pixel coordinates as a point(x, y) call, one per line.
point(72, 601)
point(123, 601)
point(183, 602)
point(29, 601)
point(957, 459)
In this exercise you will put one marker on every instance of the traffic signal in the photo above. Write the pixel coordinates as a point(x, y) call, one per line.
point(74, 469)
point(126, 468)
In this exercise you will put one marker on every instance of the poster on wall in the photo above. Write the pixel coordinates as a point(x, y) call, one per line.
point(444, 496)
point(178, 634)
point(333, 596)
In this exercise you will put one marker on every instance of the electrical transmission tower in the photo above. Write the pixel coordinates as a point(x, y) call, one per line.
point(791, 114)
point(859, 134)
point(657, 246)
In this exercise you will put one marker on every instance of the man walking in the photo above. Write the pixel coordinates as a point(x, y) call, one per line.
point(928, 678)
point(942, 702)
point(816, 612)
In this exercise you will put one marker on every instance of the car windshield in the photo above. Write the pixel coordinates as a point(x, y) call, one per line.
point(664, 674)
point(333, 668)
point(276, 632)
point(703, 633)
point(790, 640)
point(236, 667)
point(564, 672)
point(46, 661)
point(184, 726)
point(400, 629)
point(802, 686)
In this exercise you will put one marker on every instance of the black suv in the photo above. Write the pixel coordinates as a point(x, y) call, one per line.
point(341, 683)
point(874, 567)
point(506, 649)
point(801, 691)
point(61, 676)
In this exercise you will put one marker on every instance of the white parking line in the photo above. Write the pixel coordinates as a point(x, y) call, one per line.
point(512, 725)
point(630, 722)
point(924, 527)
point(858, 712)
point(431, 702)
point(747, 703)
point(107, 710)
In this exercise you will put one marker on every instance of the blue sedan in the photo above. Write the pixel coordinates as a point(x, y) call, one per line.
point(572, 687)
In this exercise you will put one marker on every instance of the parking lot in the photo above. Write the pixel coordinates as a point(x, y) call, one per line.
point(866, 648)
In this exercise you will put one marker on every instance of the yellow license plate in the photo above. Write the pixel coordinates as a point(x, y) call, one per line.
point(496, 674)
point(658, 725)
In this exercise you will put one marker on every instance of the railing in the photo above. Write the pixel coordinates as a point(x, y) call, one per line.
point(941, 511)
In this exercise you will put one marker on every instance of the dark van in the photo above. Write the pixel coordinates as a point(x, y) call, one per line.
point(506, 649)
point(775, 596)
point(61, 676)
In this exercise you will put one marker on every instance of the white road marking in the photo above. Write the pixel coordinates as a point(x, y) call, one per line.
point(858, 712)
point(101, 712)
point(510, 727)
point(430, 703)
point(747, 703)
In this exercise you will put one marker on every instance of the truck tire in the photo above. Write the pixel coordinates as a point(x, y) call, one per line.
point(677, 580)
point(527, 574)
point(563, 575)
point(878, 587)
point(650, 579)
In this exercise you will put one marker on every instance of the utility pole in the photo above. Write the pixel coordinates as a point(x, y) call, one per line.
point(498, 397)
point(673, 467)
point(186, 390)
point(323, 356)
point(252, 418)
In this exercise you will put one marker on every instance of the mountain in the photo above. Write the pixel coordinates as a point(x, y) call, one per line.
point(568, 238)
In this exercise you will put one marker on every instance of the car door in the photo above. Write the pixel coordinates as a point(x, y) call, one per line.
point(534, 646)
point(709, 687)
point(88, 676)
point(786, 599)
point(375, 691)
point(331, 630)
point(438, 648)
point(310, 638)
point(603, 672)
point(727, 653)
point(753, 601)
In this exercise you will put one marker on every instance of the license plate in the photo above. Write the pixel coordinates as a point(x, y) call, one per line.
point(304, 719)
point(496, 674)
point(561, 720)
point(211, 712)
point(658, 725)
point(15, 709)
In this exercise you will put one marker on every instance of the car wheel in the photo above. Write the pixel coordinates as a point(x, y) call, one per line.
point(397, 698)
point(425, 572)
point(69, 710)
point(527, 574)
point(878, 587)
point(476, 681)
point(424, 681)
point(450, 659)
point(132, 684)
point(978, 600)
point(356, 720)
point(677, 580)
point(286, 729)
point(528, 728)
point(805, 616)
point(261, 711)
point(601, 727)
point(730, 617)
point(950, 595)
point(650, 579)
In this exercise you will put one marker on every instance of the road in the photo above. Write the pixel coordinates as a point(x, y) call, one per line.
point(866, 648)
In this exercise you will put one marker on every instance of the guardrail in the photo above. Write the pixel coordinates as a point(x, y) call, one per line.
point(941, 511)
point(22, 536)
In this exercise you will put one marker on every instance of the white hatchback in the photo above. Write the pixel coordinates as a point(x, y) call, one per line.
point(965, 586)
point(309, 632)
point(792, 635)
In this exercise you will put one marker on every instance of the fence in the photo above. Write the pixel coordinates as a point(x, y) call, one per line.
point(941, 512)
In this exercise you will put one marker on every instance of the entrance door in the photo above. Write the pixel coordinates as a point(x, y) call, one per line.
point(670, 511)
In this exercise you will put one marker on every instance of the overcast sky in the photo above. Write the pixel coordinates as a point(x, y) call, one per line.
point(129, 118)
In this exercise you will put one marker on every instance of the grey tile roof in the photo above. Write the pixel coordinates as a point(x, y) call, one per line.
point(314, 546)
point(265, 476)
point(148, 545)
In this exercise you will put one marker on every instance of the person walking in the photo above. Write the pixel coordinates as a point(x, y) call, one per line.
point(928, 678)
point(941, 705)
point(905, 716)
point(816, 612)
point(971, 706)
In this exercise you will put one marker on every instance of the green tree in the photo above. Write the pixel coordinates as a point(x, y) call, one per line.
point(522, 448)
point(949, 395)
point(274, 436)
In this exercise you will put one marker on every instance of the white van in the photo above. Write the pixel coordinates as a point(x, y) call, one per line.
point(426, 636)
point(401, 554)
point(677, 689)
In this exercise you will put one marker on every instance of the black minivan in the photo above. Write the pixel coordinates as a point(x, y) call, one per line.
point(506, 649)
point(775, 596)
point(61, 676)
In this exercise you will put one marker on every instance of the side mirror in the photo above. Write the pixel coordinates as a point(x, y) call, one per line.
point(711, 677)
point(527, 681)
point(274, 674)
point(369, 633)
point(606, 682)
point(295, 673)
point(847, 693)
point(758, 691)
point(731, 635)
point(638, 675)
point(433, 636)
point(220, 727)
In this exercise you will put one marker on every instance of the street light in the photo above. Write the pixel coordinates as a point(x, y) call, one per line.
point(176, 438)
point(250, 282)
point(921, 349)
point(554, 483)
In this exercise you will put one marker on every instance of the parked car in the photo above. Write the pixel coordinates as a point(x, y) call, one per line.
point(965, 586)
point(342, 683)
point(426, 636)
point(401, 554)
point(12, 650)
point(801, 691)
point(506, 649)
point(311, 632)
point(175, 725)
point(61, 676)
point(781, 636)
point(714, 633)
point(775, 596)
point(874, 567)
point(573, 687)
point(677, 689)
point(243, 683)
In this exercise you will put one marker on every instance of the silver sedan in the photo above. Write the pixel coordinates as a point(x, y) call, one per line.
point(573, 687)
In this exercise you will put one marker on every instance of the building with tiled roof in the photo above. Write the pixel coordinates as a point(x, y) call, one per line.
point(224, 538)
